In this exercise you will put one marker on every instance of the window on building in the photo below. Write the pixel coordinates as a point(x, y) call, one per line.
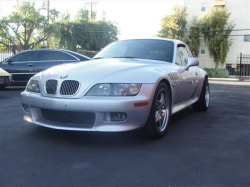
point(203, 7)
point(203, 49)
point(219, 4)
point(246, 38)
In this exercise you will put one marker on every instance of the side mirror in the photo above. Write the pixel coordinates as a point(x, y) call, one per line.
point(9, 61)
point(192, 62)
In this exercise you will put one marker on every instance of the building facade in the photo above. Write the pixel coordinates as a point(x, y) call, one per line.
point(240, 36)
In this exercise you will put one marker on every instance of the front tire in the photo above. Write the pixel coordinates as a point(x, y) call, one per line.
point(160, 112)
point(203, 102)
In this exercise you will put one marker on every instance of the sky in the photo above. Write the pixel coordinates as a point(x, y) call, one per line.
point(133, 18)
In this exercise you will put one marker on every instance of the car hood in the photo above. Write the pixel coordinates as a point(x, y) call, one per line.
point(91, 72)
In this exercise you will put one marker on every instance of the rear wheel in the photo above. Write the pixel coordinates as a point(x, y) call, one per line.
point(203, 102)
point(160, 112)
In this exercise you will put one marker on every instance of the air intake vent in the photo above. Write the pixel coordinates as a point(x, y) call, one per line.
point(69, 87)
point(51, 86)
point(75, 118)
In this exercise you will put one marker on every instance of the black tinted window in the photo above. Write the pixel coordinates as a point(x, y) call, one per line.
point(54, 55)
point(25, 56)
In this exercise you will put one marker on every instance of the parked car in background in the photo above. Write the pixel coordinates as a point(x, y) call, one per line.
point(25, 64)
point(5, 79)
point(130, 84)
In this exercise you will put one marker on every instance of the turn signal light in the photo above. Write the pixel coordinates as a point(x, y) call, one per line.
point(140, 104)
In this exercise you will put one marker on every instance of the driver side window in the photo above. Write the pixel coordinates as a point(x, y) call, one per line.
point(181, 56)
point(178, 58)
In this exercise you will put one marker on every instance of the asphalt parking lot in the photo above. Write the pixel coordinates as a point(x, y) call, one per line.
point(200, 148)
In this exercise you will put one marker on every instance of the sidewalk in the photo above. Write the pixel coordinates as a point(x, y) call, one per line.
point(230, 80)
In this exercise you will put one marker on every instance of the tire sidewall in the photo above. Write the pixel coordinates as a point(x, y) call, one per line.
point(201, 103)
point(151, 120)
point(204, 107)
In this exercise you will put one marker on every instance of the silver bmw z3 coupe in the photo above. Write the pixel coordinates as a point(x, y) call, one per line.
point(130, 84)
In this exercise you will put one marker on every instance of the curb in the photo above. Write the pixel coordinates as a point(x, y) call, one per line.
point(243, 79)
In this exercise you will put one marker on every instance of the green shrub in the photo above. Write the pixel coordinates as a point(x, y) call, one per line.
point(216, 73)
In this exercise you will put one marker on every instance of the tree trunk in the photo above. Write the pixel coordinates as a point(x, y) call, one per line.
point(25, 38)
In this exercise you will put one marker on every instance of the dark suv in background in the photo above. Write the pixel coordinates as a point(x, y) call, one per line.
point(25, 64)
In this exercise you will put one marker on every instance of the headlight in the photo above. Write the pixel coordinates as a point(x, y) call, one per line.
point(114, 90)
point(121, 89)
point(33, 86)
point(103, 89)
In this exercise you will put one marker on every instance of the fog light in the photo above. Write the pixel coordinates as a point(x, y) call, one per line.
point(118, 116)
point(26, 108)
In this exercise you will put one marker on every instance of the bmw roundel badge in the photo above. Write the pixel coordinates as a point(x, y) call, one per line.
point(64, 76)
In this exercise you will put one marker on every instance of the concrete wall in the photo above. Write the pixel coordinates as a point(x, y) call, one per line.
point(240, 14)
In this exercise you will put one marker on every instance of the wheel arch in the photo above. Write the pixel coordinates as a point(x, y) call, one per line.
point(165, 81)
point(150, 129)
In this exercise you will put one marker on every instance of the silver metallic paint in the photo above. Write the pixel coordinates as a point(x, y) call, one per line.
point(137, 116)
point(185, 90)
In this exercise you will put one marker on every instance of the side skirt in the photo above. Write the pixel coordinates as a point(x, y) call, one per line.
point(185, 104)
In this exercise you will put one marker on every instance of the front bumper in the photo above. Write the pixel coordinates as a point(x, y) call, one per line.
point(6, 80)
point(100, 106)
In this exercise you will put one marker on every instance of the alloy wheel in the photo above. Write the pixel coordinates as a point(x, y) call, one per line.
point(162, 110)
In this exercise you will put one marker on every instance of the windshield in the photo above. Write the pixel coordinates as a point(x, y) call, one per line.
point(142, 48)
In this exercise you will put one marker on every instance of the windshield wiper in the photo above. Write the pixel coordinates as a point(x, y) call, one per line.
point(97, 58)
point(125, 57)
point(114, 57)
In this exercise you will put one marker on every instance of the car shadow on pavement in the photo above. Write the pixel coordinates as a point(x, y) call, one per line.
point(182, 116)
point(81, 138)
point(12, 88)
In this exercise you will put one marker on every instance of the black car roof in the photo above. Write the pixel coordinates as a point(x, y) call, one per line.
point(63, 50)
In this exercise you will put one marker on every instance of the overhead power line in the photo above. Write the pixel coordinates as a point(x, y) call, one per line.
point(224, 30)
point(236, 35)
point(96, 31)
point(91, 8)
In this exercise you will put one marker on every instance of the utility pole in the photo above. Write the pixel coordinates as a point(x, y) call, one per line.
point(48, 20)
point(91, 8)
point(48, 10)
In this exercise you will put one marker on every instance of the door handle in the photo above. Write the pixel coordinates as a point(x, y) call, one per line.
point(196, 73)
point(30, 64)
